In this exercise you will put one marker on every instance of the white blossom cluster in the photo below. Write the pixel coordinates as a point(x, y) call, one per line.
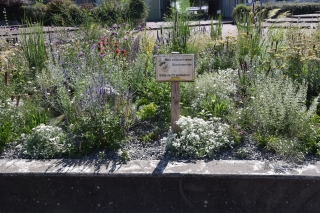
point(43, 142)
point(199, 138)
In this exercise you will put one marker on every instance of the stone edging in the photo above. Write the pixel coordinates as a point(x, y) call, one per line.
point(156, 167)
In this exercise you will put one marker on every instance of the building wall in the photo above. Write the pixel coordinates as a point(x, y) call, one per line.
point(158, 7)
point(154, 10)
point(227, 7)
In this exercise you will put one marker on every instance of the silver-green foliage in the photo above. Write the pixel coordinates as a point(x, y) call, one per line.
point(278, 105)
point(277, 113)
point(44, 142)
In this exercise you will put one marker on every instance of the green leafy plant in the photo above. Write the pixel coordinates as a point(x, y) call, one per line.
point(215, 106)
point(216, 28)
point(33, 116)
point(124, 156)
point(33, 46)
point(147, 111)
point(152, 136)
point(5, 133)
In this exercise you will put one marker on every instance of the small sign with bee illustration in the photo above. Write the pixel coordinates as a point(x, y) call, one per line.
point(175, 67)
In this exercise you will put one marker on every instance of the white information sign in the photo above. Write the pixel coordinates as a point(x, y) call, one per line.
point(175, 67)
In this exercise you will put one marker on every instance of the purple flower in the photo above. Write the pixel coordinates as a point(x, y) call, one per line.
point(94, 46)
point(80, 54)
point(122, 121)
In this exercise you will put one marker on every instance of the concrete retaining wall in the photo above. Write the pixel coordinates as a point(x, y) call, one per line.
point(186, 190)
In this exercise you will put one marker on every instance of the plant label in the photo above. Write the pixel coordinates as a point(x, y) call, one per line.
point(175, 68)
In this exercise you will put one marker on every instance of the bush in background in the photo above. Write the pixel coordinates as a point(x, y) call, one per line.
point(240, 11)
point(138, 11)
point(37, 11)
point(68, 13)
point(65, 13)
point(295, 8)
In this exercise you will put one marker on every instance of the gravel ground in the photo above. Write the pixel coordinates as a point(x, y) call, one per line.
point(156, 150)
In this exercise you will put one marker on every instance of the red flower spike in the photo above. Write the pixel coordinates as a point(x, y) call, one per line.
point(124, 53)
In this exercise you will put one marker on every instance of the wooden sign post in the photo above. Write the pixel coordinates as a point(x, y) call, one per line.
point(175, 106)
point(175, 68)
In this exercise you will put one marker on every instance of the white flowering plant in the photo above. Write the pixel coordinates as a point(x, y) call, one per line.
point(212, 94)
point(44, 142)
point(199, 138)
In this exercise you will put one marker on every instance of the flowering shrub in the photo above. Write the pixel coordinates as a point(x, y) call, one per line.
point(199, 138)
point(212, 93)
point(44, 142)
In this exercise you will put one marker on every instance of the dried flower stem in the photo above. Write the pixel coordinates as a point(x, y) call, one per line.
point(6, 78)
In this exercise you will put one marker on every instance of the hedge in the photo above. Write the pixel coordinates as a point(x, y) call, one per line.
point(68, 13)
point(295, 8)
